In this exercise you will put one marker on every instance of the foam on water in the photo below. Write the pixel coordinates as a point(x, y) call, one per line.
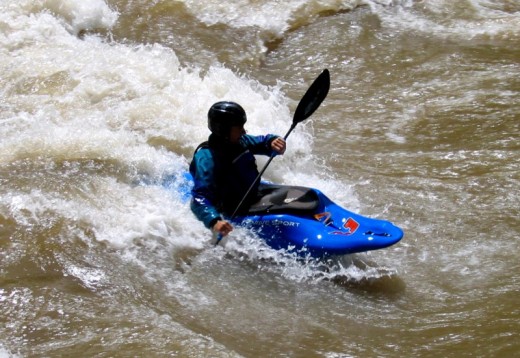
point(76, 16)
point(273, 17)
point(4, 353)
point(451, 19)
point(141, 92)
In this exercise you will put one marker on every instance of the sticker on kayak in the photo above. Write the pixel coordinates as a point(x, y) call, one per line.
point(325, 216)
point(350, 225)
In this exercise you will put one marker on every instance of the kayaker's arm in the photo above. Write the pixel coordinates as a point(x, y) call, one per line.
point(269, 144)
point(211, 218)
point(203, 192)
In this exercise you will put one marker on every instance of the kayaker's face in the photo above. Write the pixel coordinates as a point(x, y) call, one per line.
point(235, 133)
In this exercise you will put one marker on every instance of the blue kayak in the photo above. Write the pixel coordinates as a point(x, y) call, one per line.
point(304, 220)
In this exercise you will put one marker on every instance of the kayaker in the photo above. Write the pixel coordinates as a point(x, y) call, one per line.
point(224, 167)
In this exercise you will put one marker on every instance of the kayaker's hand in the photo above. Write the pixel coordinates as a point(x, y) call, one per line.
point(222, 227)
point(278, 145)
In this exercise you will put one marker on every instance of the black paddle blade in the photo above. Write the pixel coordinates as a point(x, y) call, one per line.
point(313, 97)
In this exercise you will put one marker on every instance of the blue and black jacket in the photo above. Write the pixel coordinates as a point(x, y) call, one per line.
point(223, 172)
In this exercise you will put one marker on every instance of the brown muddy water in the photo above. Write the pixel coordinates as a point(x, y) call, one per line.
point(103, 100)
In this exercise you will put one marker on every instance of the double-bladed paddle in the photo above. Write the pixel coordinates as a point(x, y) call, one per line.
point(309, 103)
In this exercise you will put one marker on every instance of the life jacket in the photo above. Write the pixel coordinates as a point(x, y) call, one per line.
point(234, 171)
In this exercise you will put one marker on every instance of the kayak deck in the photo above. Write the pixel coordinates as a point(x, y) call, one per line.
point(305, 220)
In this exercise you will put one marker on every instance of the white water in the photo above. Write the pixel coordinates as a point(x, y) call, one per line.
point(70, 103)
point(420, 128)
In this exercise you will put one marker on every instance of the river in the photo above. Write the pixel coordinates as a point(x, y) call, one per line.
point(101, 100)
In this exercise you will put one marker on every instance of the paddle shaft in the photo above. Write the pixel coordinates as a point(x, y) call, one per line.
point(259, 176)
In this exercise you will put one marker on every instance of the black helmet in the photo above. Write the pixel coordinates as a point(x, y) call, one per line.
point(224, 115)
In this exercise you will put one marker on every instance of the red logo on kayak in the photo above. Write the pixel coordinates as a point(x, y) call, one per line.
point(350, 225)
